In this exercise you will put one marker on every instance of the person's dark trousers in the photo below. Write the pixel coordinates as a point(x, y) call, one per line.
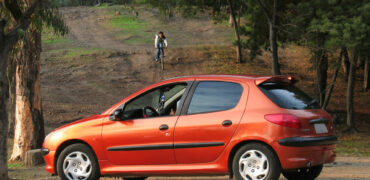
point(159, 52)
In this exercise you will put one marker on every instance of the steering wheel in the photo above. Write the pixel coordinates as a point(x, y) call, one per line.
point(153, 113)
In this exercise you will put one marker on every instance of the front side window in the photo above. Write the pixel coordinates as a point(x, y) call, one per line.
point(148, 99)
point(165, 100)
point(211, 96)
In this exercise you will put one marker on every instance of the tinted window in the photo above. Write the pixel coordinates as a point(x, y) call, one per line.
point(288, 96)
point(215, 96)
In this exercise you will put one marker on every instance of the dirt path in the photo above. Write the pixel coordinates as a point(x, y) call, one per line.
point(86, 28)
point(345, 168)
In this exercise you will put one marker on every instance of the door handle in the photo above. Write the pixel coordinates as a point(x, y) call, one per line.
point(163, 127)
point(227, 123)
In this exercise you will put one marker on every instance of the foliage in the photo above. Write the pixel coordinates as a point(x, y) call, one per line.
point(344, 22)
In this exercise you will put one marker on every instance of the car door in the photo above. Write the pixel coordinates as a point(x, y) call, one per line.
point(144, 141)
point(210, 116)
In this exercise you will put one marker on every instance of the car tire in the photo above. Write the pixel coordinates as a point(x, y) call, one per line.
point(78, 159)
point(304, 173)
point(256, 161)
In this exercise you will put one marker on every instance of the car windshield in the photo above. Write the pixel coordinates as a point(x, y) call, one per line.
point(288, 96)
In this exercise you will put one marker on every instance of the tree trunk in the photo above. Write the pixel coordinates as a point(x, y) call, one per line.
point(239, 14)
point(271, 18)
point(322, 75)
point(29, 126)
point(350, 89)
point(346, 63)
point(239, 57)
point(6, 43)
point(274, 50)
point(4, 91)
point(366, 74)
point(11, 104)
point(321, 66)
point(231, 22)
point(331, 87)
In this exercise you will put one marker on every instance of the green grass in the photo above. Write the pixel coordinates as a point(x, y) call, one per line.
point(76, 52)
point(353, 148)
point(127, 23)
point(13, 165)
point(131, 29)
point(56, 40)
point(48, 37)
point(104, 5)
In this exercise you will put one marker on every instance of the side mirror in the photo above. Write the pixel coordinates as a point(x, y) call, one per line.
point(116, 116)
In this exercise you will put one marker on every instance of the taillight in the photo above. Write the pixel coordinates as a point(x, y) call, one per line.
point(286, 120)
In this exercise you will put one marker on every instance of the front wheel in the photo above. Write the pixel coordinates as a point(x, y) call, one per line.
point(304, 173)
point(77, 161)
point(256, 161)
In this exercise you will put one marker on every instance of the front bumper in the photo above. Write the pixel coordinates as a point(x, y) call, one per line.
point(49, 160)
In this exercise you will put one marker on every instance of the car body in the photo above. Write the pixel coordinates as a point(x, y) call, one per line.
point(203, 134)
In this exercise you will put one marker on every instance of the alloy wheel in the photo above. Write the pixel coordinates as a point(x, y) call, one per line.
point(253, 165)
point(77, 166)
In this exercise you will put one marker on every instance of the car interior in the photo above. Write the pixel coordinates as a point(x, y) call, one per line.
point(162, 101)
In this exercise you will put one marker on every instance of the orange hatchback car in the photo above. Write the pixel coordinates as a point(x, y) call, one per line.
point(248, 127)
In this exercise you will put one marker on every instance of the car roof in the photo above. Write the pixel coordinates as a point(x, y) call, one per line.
point(255, 78)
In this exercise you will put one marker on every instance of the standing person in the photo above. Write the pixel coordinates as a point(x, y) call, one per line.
point(160, 43)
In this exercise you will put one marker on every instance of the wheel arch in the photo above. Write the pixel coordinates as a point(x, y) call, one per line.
point(67, 143)
point(241, 144)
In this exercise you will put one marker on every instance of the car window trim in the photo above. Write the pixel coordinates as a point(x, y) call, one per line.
point(191, 93)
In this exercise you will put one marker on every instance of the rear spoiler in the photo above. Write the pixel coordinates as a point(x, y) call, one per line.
point(279, 78)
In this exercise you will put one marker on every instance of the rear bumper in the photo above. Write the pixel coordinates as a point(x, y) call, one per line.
point(298, 152)
point(308, 141)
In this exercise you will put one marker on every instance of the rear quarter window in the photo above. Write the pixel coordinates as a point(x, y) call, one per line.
point(288, 96)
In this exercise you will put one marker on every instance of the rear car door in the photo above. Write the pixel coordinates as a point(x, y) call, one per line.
point(209, 118)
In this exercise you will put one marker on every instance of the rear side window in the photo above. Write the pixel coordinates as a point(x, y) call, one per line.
point(288, 96)
point(210, 96)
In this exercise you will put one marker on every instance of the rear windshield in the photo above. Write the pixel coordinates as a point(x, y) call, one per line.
point(288, 96)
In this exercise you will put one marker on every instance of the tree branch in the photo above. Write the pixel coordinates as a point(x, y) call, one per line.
point(265, 10)
point(23, 23)
point(329, 91)
point(13, 7)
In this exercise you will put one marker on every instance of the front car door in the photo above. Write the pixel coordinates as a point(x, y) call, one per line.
point(142, 139)
point(210, 116)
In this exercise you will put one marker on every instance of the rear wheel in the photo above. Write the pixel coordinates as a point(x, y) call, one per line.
point(77, 161)
point(256, 161)
point(304, 173)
